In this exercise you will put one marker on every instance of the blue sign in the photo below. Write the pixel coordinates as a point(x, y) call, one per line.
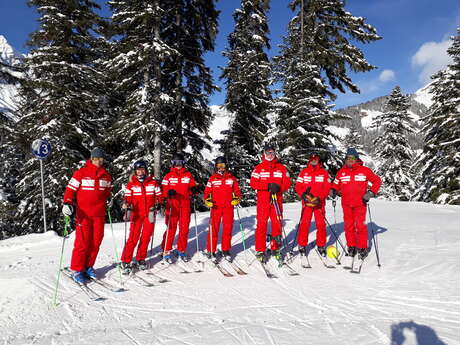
point(41, 148)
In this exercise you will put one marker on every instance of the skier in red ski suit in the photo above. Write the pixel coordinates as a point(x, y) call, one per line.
point(90, 186)
point(142, 195)
point(313, 187)
point(178, 187)
point(269, 178)
point(221, 194)
point(351, 182)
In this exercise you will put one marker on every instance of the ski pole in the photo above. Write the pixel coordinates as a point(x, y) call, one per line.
point(374, 236)
point(297, 231)
point(167, 229)
point(114, 245)
point(196, 228)
point(67, 222)
point(241, 230)
point(279, 216)
point(151, 236)
point(337, 239)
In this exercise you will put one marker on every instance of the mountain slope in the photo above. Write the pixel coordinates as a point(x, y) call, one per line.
point(8, 90)
point(411, 299)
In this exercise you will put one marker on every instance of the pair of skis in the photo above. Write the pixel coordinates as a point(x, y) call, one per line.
point(282, 266)
point(355, 264)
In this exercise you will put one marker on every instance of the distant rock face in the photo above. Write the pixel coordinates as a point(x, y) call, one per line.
point(8, 90)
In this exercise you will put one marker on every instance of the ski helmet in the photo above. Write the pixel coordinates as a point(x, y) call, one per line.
point(220, 159)
point(141, 164)
point(178, 159)
point(269, 146)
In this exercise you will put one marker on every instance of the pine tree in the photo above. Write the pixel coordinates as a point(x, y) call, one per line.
point(60, 102)
point(247, 79)
point(393, 150)
point(190, 28)
point(439, 163)
point(353, 138)
point(138, 56)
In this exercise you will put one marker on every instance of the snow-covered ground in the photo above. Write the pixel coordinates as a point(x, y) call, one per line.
point(414, 298)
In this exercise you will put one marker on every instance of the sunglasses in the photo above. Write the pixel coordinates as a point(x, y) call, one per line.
point(220, 165)
point(351, 158)
point(177, 162)
point(270, 153)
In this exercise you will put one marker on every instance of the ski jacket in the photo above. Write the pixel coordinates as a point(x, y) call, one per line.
point(142, 195)
point(91, 187)
point(269, 172)
point(181, 181)
point(317, 179)
point(221, 188)
point(352, 183)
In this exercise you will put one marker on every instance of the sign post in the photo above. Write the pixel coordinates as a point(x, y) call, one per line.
point(41, 149)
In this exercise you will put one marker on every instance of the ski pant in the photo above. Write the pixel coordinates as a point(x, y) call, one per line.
point(265, 211)
point(177, 216)
point(140, 228)
point(89, 233)
point(224, 214)
point(304, 228)
point(355, 228)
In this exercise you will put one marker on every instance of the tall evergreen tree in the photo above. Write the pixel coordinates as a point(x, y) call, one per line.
point(247, 79)
point(354, 138)
point(393, 150)
point(439, 163)
point(190, 28)
point(136, 70)
point(314, 60)
point(60, 102)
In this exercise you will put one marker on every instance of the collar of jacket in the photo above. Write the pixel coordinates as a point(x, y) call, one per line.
point(180, 171)
point(93, 167)
point(225, 175)
point(147, 179)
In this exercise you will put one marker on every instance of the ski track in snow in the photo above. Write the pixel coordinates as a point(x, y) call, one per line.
point(415, 292)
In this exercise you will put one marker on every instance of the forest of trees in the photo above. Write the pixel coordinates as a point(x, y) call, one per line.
point(137, 85)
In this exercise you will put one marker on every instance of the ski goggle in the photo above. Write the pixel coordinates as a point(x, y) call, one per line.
point(221, 165)
point(351, 158)
point(269, 153)
point(176, 162)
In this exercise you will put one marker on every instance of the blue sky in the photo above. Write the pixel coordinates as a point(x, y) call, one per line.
point(415, 36)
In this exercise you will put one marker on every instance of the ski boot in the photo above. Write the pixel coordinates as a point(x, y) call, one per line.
point(303, 250)
point(363, 252)
point(260, 256)
point(277, 255)
point(213, 257)
point(183, 256)
point(226, 255)
point(79, 277)
point(125, 268)
point(322, 251)
point(168, 258)
point(352, 251)
point(90, 273)
point(142, 265)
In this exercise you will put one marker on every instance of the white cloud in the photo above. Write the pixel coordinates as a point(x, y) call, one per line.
point(387, 75)
point(431, 57)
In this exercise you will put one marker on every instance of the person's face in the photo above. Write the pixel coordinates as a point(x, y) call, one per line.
point(221, 168)
point(350, 160)
point(97, 161)
point(269, 155)
point(177, 163)
point(140, 172)
point(314, 161)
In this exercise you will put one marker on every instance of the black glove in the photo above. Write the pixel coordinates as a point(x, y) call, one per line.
point(171, 193)
point(369, 194)
point(274, 188)
point(158, 206)
point(304, 194)
point(333, 194)
point(194, 190)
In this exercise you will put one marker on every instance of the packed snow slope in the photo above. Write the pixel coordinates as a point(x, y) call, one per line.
point(414, 298)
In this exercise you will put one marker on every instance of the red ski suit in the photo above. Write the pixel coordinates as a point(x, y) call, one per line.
point(351, 184)
point(142, 196)
point(317, 179)
point(91, 187)
point(177, 207)
point(263, 174)
point(221, 189)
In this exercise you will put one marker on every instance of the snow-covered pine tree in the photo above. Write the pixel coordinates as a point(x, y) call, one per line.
point(247, 79)
point(353, 138)
point(189, 28)
point(317, 50)
point(392, 149)
point(439, 162)
point(60, 102)
point(136, 67)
